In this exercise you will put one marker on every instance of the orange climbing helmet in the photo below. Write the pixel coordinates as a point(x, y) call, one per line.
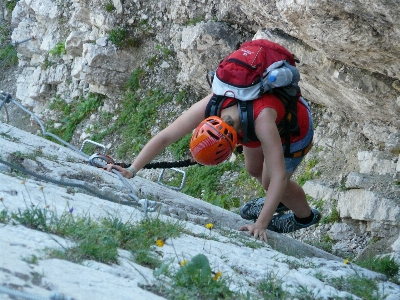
point(212, 141)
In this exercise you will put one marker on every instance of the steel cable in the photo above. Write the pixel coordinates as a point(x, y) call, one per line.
point(146, 205)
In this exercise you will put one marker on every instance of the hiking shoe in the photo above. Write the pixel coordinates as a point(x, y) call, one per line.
point(252, 209)
point(285, 223)
point(281, 208)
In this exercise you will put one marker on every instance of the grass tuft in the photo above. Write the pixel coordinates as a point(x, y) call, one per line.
point(74, 113)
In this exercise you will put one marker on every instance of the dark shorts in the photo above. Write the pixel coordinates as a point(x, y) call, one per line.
point(292, 163)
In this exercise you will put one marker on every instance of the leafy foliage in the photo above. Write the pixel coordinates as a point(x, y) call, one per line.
point(58, 50)
point(195, 280)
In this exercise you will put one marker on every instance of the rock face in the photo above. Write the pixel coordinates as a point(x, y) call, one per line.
point(349, 50)
point(28, 271)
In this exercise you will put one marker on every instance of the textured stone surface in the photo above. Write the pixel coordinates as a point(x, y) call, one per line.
point(349, 50)
point(50, 277)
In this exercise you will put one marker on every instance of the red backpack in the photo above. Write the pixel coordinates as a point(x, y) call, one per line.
point(257, 67)
point(245, 74)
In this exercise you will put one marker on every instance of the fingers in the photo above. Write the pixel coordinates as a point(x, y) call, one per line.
point(259, 234)
point(110, 167)
point(243, 228)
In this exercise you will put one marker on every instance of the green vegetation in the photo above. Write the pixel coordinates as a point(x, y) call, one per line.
point(4, 217)
point(134, 82)
point(136, 116)
point(99, 240)
point(8, 56)
point(165, 51)
point(109, 7)
point(194, 21)
point(163, 54)
point(317, 203)
point(17, 155)
point(333, 217)
point(135, 119)
point(5, 135)
point(10, 5)
point(181, 97)
point(8, 52)
point(271, 287)
point(308, 174)
point(204, 182)
point(46, 64)
point(325, 243)
point(244, 182)
point(32, 259)
point(385, 265)
point(361, 286)
point(121, 38)
point(74, 113)
point(181, 148)
point(58, 50)
point(192, 279)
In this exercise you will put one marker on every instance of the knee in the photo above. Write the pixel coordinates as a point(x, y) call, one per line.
point(254, 173)
point(258, 174)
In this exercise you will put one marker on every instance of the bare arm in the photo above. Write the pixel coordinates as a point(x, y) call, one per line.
point(273, 158)
point(268, 135)
point(183, 125)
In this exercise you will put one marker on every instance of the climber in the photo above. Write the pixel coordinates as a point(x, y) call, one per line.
point(270, 156)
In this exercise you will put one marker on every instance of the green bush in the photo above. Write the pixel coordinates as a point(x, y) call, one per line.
point(385, 265)
point(58, 50)
point(109, 7)
point(120, 38)
point(195, 280)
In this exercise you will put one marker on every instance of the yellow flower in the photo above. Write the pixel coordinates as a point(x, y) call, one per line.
point(23, 181)
point(183, 262)
point(160, 243)
point(346, 261)
point(209, 226)
point(217, 275)
point(41, 188)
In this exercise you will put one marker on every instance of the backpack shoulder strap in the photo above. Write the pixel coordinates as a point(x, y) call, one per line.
point(214, 105)
point(288, 126)
point(246, 115)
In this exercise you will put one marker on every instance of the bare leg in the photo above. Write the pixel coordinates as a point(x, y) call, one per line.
point(295, 199)
point(294, 196)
